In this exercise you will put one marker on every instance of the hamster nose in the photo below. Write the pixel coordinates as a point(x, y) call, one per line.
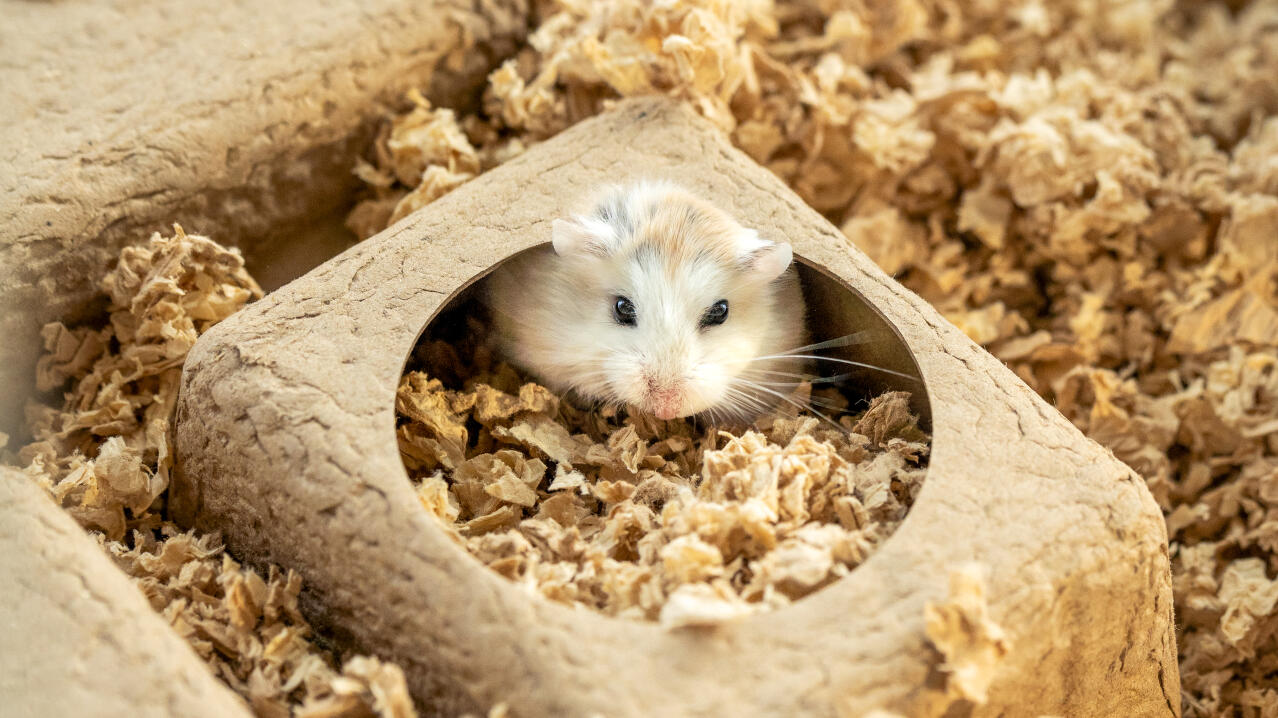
point(666, 402)
point(663, 394)
point(666, 411)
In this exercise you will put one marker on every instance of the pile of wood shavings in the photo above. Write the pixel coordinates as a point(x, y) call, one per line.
point(649, 519)
point(1087, 189)
point(104, 455)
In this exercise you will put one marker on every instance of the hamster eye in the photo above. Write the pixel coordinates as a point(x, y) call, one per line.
point(623, 310)
point(716, 314)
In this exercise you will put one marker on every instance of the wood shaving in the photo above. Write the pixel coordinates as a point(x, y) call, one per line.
point(1087, 189)
point(103, 453)
point(962, 632)
point(645, 519)
point(424, 149)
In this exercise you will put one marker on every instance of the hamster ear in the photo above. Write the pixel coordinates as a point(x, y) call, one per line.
point(572, 238)
point(765, 259)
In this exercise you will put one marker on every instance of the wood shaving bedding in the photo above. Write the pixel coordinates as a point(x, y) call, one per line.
point(103, 453)
point(648, 519)
point(1087, 189)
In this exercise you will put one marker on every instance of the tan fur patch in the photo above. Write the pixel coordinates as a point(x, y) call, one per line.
point(682, 227)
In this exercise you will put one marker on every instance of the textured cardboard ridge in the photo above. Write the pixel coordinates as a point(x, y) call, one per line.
point(236, 119)
point(285, 444)
point(79, 637)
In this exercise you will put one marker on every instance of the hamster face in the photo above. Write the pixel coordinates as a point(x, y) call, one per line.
point(662, 346)
point(655, 300)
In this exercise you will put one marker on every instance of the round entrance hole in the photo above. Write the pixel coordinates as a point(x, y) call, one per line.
point(678, 521)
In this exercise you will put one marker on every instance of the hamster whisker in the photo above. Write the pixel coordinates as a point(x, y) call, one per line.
point(863, 365)
point(809, 378)
point(745, 403)
point(799, 375)
point(581, 379)
point(744, 399)
point(802, 407)
point(730, 409)
point(847, 340)
point(811, 399)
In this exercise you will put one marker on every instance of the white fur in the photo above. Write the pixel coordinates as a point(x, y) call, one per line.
point(553, 316)
point(581, 235)
point(772, 260)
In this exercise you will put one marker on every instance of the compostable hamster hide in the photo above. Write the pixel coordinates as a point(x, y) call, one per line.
point(1031, 576)
point(80, 638)
point(239, 118)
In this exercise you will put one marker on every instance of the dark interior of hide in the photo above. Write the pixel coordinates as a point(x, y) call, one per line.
point(834, 310)
point(837, 310)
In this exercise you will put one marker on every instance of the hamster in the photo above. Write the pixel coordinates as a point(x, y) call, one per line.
point(657, 301)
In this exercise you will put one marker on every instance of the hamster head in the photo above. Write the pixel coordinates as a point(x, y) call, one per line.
point(671, 307)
